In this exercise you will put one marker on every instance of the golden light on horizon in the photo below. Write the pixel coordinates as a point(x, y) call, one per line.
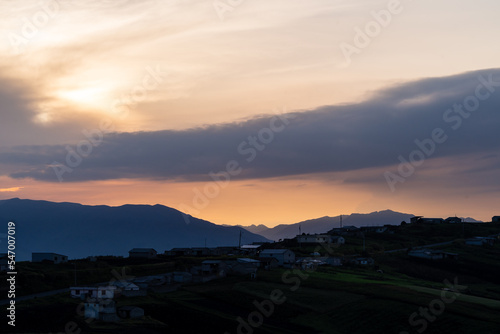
point(94, 97)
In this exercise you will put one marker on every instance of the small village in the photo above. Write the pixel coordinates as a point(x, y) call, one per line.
point(306, 252)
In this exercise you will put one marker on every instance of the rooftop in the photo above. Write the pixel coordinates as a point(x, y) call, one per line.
point(141, 250)
point(274, 251)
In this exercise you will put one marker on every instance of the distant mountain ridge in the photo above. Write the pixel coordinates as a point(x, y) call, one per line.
point(80, 230)
point(324, 224)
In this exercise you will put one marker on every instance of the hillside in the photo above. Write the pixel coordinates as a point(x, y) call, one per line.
point(343, 299)
point(79, 230)
point(324, 224)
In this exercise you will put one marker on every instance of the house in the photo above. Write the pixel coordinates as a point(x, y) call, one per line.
point(430, 254)
point(268, 263)
point(334, 261)
point(338, 240)
point(130, 312)
point(49, 257)
point(128, 289)
point(480, 241)
point(415, 219)
point(454, 220)
point(213, 267)
point(200, 251)
point(125, 285)
point(225, 251)
point(426, 254)
point(104, 310)
point(250, 249)
point(422, 220)
point(256, 263)
point(244, 266)
point(142, 253)
point(495, 219)
point(362, 261)
point(179, 252)
point(284, 256)
point(319, 239)
point(375, 229)
point(310, 263)
point(343, 230)
point(4, 262)
point(101, 292)
point(196, 251)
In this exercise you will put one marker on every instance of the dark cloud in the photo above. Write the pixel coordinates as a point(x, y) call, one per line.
point(370, 134)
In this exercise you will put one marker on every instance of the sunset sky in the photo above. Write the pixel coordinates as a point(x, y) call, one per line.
point(253, 112)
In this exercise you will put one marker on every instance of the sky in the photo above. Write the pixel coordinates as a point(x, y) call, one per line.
point(253, 112)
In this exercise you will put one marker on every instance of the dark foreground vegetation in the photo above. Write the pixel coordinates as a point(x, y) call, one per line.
point(398, 294)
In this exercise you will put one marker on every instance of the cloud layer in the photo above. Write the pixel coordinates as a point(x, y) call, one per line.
point(370, 134)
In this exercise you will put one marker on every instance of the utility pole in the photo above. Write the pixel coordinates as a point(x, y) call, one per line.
point(299, 238)
point(341, 221)
point(74, 263)
point(239, 243)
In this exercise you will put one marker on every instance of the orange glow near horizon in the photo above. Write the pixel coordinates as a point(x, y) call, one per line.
point(270, 202)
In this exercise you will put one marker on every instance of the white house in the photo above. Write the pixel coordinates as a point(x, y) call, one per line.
point(143, 253)
point(104, 310)
point(97, 292)
point(284, 256)
point(51, 257)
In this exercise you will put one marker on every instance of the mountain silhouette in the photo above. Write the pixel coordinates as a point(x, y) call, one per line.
point(79, 231)
point(325, 224)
